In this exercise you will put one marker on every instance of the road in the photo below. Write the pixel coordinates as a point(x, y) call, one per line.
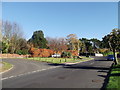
point(90, 74)
point(24, 66)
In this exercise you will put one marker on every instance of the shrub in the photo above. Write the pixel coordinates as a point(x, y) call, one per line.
point(19, 52)
point(22, 52)
point(66, 54)
point(41, 52)
point(107, 53)
point(73, 52)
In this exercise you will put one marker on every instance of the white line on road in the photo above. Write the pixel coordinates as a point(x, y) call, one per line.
point(7, 70)
point(29, 73)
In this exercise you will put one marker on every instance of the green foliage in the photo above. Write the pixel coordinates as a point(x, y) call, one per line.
point(96, 43)
point(38, 39)
point(66, 54)
point(107, 53)
point(19, 52)
point(73, 42)
point(4, 47)
point(105, 43)
point(112, 40)
point(22, 52)
point(87, 45)
point(23, 47)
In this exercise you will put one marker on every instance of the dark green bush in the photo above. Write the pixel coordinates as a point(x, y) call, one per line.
point(66, 54)
point(22, 52)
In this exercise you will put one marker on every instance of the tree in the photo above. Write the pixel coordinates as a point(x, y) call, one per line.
point(4, 47)
point(96, 44)
point(105, 40)
point(73, 42)
point(87, 45)
point(38, 39)
point(113, 40)
point(57, 44)
point(7, 34)
point(23, 47)
point(11, 33)
point(0, 36)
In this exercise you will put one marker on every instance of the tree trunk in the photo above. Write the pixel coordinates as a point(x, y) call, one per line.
point(78, 49)
point(115, 61)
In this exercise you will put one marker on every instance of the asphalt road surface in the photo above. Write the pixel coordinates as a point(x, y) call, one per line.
point(24, 66)
point(34, 74)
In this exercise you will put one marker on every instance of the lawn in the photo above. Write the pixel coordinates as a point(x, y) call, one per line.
point(114, 79)
point(5, 66)
point(61, 60)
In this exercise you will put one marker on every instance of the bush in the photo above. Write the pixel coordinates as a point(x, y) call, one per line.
point(87, 56)
point(19, 52)
point(66, 54)
point(73, 52)
point(40, 52)
point(22, 52)
point(107, 53)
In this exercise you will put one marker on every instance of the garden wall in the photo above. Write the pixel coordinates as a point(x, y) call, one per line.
point(12, 56)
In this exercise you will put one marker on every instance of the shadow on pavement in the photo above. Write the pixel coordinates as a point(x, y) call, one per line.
point(55, 64)
point(86, 67)
point(103, 71)
point(100, 69)
point(115, 74)
point(103, 60)
point(104, 76)
point(107, 78)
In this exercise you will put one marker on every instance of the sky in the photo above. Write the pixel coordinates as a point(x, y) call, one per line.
point(59, 19)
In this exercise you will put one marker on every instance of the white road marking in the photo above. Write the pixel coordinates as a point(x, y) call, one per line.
point(7, 70)
point(29, 73)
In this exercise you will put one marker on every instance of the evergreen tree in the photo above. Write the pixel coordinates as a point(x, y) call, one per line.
point(38, 39)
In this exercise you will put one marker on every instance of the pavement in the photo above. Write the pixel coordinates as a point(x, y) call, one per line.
point(34, 74)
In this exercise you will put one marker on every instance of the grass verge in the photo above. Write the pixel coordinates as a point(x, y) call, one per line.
point(114, 79)
point(61, 60)
point(5, 66)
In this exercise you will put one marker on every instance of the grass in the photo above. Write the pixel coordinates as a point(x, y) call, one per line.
point(114, 79)
point(107, 53)
point(60, 60)
point(5, 66)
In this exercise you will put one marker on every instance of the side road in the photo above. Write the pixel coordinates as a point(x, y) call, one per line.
point(23, 66)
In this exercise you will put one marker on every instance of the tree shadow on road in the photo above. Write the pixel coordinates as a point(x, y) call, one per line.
point(99, 69)
point(115, 74)
point(103, 60)
point(107, 78)
point(103, 71)
point(86, 67)
point(55, 64)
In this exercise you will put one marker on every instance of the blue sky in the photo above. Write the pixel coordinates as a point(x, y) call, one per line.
point(85, 19)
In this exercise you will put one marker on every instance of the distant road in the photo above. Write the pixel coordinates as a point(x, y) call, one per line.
point(90, 74)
